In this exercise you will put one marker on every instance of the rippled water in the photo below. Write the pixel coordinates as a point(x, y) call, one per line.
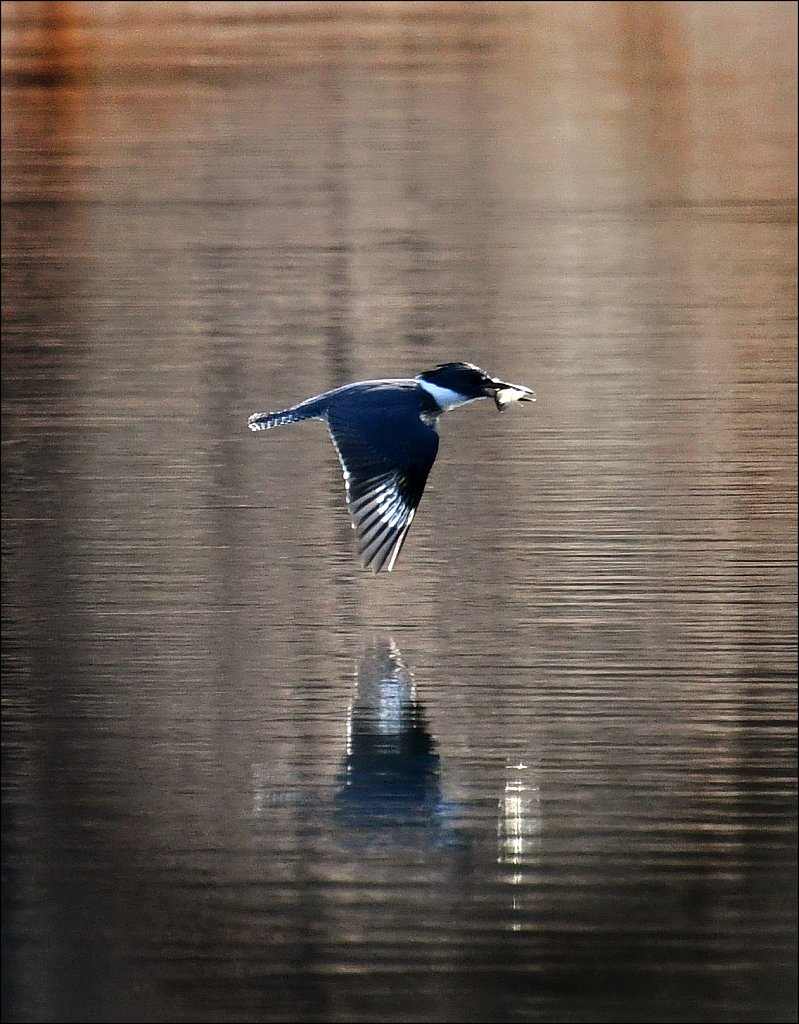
point(543, 771)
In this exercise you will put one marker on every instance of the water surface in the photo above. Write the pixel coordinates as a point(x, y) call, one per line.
point(543, 771)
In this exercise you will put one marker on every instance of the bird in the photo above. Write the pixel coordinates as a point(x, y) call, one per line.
point(385, 433)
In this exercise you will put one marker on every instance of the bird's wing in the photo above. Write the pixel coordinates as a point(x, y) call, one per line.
point(386, 456)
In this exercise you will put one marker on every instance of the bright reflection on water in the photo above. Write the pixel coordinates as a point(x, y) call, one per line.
point(543, 771)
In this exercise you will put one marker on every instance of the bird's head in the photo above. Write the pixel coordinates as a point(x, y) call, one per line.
point(453, 384)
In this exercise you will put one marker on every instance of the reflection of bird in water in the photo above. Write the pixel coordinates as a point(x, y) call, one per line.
point(391, 773)
point(386, 436)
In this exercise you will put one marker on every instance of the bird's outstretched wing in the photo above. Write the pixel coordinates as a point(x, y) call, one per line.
point(386, 455)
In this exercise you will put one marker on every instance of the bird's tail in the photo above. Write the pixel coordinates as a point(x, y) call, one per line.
point(310, 410)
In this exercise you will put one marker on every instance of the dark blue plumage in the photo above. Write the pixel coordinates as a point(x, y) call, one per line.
point(385, 433)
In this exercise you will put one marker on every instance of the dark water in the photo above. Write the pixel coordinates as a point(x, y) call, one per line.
point(545, 770)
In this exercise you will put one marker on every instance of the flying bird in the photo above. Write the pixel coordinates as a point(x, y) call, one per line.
point(386, 435)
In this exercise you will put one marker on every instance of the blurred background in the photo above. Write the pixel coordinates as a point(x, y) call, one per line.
point(546, 769)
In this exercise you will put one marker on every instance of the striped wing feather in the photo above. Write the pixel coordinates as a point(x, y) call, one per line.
point(386, 460)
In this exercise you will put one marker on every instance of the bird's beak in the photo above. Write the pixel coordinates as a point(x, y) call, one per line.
point(505, 394)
